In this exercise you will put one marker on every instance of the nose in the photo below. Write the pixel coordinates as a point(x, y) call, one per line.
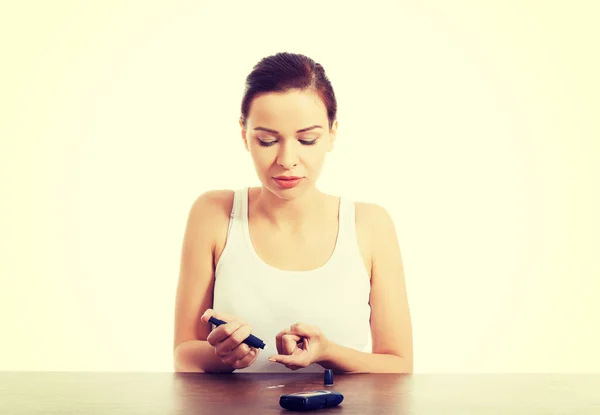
point(288, 155)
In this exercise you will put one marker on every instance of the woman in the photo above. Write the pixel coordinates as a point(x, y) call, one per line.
point(317, 277)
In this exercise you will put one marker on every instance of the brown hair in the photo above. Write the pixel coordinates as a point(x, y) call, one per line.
point(283, 72)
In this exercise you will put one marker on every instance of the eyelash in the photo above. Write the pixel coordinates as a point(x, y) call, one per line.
point(270, 143)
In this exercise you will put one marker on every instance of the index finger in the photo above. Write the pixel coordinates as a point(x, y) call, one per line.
point(223, 332)
point(279, 339)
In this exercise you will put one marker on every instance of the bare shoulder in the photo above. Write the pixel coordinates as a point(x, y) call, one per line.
point(371, 220)
point(372, 213)
point(210, 212)
point(213, 200)
point(212, 204)
point(374, 224)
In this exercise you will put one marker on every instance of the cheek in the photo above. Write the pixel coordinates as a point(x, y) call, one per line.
point(315, 160)
point(262, 159)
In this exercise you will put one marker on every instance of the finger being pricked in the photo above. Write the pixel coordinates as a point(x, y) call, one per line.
point(291, 343)
point(286, 342)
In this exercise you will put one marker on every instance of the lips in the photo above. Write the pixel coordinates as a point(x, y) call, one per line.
point(287, 182)
point(287, 177)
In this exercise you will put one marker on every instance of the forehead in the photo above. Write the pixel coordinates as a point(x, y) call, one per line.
point(292, 110)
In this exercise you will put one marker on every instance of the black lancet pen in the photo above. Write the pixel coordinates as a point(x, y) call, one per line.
point(251, 340)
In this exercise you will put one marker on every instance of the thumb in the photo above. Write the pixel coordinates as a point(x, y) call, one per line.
point(221, 316)
point(285, 359)
point(295, 361)
point(207, 314)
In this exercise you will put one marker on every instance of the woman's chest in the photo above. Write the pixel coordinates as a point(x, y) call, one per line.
point(301, 251)
point(290, 251)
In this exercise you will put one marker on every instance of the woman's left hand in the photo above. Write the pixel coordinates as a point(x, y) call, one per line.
point(300, 346)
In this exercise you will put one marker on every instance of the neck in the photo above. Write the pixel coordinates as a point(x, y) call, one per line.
point(290, 214)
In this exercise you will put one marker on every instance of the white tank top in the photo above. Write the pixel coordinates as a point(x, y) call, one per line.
point(333, 297)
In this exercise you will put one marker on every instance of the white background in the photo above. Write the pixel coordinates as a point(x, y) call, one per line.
point(475, 125)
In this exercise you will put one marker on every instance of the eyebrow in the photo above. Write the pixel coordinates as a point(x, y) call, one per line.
point(312, 127)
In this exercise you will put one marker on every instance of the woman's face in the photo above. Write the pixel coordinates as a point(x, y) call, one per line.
point(287, 135)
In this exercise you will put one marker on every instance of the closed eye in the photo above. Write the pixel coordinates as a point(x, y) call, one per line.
point(266, 143)
point(270, 143)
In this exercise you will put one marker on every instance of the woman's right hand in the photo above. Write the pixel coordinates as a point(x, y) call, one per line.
point(227, 340)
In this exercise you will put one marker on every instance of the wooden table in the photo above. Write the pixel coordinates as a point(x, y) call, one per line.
point(245, 393)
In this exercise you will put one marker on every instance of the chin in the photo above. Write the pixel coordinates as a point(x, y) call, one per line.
point(287, 194)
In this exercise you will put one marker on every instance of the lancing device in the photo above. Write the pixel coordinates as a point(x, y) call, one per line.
point(251, 340)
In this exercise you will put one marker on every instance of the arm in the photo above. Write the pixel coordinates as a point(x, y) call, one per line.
point(198, 356)
point(191, 351)
point(347, 360)
point(391, 326)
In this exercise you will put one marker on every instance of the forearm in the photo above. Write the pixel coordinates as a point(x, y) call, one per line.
point(347, 360)
point(198, 356)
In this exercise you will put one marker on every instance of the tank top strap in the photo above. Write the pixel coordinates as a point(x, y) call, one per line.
point(242, 212)
point(236, 208)
point(350, 212)
point(346, 238)
point(347, 219)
